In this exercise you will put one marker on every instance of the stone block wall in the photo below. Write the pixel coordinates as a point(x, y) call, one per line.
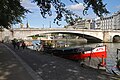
point(5, 35)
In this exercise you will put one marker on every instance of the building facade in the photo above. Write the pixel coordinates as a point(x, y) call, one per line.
point(84, 24)
point(117, 20)
point(109, 23)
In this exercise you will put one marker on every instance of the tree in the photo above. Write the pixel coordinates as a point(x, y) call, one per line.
point(75, 20)
point(11, 11)
point(45, 8)
point(65, 26)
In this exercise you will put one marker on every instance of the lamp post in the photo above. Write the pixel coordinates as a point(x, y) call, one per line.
point(43, 26)
point(50, 24)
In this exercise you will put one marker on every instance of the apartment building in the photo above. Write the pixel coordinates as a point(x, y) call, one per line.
point(84, 24)
point(109, 23)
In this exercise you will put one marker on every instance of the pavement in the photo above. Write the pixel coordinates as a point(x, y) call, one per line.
point(10, 66)
point(25, 64)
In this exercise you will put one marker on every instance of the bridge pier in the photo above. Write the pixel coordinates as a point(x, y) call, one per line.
point(106, 36)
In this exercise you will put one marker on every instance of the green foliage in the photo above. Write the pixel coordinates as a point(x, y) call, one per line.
point(97, 6)
point(65, 26)
point(61, 11)
point(54, 34)
point(11, 12)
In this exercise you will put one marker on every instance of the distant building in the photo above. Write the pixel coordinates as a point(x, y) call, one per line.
point(116, 18)
point(21, 25)
point(105, 23)
point(84, 24)
point(109, 23)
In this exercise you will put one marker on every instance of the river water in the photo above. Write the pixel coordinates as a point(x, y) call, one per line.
point(111, 52)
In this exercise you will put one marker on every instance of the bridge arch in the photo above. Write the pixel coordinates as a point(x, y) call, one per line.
point(116, 38)
point(88, 37)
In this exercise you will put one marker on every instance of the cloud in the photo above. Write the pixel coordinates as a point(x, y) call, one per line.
point(118, 7)
point(76, 7)
point(29, 5)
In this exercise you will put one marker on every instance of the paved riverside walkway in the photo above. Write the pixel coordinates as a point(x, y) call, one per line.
point(10, 67)
point(46, 67)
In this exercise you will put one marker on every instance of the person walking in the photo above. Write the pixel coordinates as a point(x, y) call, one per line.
point(18, 44)
point(14, 43)
point(23, 45)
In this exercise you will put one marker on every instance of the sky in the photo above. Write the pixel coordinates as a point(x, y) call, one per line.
point(35, 19)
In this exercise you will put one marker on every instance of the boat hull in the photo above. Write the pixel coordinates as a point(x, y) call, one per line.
point(80, 53)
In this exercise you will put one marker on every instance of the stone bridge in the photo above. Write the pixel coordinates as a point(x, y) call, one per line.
point(90, 35)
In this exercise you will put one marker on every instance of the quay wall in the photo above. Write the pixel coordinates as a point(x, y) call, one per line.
point(6, 35)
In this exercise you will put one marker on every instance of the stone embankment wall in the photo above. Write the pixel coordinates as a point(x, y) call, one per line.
point(6, 35)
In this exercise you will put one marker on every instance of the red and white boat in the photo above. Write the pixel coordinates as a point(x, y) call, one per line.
point(80, 53)
point(97, 52)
